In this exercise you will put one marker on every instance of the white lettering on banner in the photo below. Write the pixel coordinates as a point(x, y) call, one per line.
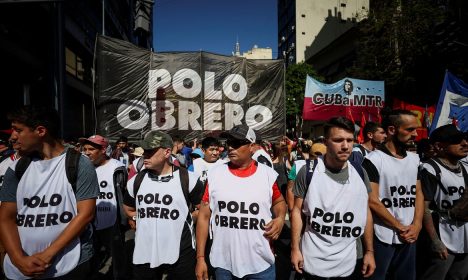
point(338, 99)
point(135, 115)
point(187, 83)
point(212, 121)
point(159, 78)
point(210, 92)
point(189, 113)
point(235, 87)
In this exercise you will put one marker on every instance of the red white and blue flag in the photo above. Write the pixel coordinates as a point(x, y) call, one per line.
point(348, 97)
point(453, 104)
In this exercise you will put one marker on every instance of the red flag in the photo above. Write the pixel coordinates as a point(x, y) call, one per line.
point(349, 114)
point(379, 117)
point(361, 131)
point(455, 121)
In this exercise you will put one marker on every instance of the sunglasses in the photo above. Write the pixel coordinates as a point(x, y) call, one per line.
point(236, 143)
point(149, 153)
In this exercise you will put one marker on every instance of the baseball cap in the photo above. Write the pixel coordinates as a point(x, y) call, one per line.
point(241, 132)
point(447, 134)
point(95, 139)
point(156, 139)
point(138, 152)
point(198, 152)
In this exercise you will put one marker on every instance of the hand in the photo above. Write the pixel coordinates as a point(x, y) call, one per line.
point(273, 228)
point(31, 266)
point(297, 260)
point(132, 224)
point(411, 234)
point(368, 264)
point(439, 248)
point(201, 270)
point(46, 257)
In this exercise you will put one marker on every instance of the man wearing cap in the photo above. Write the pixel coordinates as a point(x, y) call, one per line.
point(110, 216)
point(237, 205)
point(45, 218)
point(443, 181)
point(157, 198)
point(396, 200)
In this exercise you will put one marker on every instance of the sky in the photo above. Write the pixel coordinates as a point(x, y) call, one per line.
point(214, 25)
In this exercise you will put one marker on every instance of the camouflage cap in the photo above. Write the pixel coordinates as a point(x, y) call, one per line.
point(156, 139)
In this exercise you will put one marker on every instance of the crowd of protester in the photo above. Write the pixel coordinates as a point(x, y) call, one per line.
point(234, 205)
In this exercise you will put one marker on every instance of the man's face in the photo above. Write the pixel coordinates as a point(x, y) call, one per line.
point(155, 158)
point(406, 132)
point(26, 139)
point(211, 154)
point(239, 151)
point(457, 150)
point(122, 145)
point(94, 154)
point(379, 136)
point(339, 144)
point(347, 86)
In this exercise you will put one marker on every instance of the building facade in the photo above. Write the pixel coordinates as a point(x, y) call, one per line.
point(47, 49)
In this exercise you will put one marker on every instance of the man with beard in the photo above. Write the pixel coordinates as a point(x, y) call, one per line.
point(396, 199)
point(374, 135)
point(443, 181)
point(331, 199)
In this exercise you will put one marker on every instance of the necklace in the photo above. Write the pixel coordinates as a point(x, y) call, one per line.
point(449, 164)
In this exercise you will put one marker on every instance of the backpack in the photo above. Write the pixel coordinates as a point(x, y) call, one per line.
point(184, 182)
point(120, 179)
point(72, 159)
point(310, 170)
point(432, 162)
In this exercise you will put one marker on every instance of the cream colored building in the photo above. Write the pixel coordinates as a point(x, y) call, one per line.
point(258, 53)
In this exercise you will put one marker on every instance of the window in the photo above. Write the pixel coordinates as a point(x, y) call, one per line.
point(302, 15)
point(343, 5)
point(303, 33)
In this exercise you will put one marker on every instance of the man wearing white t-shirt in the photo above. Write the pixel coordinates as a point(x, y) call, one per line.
point(237, 205)
point(330, 197)
point(112, 178)
point(210, 158)
point(158, 199)
point(443, 180)
point(45, 216)
point(396, 200)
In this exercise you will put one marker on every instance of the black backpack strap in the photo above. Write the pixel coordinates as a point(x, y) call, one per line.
point(433, 163)
point(139, 165)
point(184, 182)
point(137, 183)
point(465, 174)
point(309, 173)
point(21, 166)
point(120, 180)
point(362, 149)
point(358, 166)
point(72, 159)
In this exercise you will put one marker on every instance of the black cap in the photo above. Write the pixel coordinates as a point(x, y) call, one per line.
point(241, 132)
point(447, 134)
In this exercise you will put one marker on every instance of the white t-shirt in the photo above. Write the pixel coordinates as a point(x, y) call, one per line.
point(336, 216)
point(397, 191)
point(240, 209)
point(161, 215)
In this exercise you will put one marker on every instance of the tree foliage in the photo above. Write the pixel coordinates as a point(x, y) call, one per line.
point(399, 44)
point(296, 75)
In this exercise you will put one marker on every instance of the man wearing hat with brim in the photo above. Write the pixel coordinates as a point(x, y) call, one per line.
point(137, 164)
point(158, 199)
point(237, 206)
point(112, 178)
point(443, 180)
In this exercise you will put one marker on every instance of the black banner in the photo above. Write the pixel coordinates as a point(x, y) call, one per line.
point(189, 94)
